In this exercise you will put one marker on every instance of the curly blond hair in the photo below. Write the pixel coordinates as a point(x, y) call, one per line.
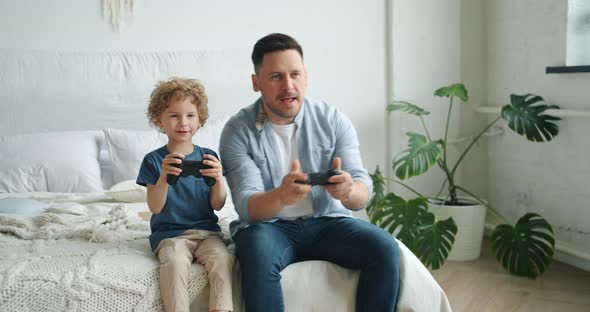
point(179, 89)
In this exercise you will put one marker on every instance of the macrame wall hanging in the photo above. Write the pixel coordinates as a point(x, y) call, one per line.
point(117, 11)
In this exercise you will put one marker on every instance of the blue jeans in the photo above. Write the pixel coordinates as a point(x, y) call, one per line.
point(265, 249)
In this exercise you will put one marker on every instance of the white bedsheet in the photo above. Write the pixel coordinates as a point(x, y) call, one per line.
point(88, 253)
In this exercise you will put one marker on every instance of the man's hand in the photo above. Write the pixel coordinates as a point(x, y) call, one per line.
point(266, 205)
point(340, 186)
point(292, 192)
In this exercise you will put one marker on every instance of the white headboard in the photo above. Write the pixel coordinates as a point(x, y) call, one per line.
point(56, 91)
point(51, 92)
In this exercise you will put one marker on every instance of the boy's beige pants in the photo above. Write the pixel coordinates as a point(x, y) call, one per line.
point(176, 256)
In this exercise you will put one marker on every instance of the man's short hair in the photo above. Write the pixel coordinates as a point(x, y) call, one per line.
point(271, 43)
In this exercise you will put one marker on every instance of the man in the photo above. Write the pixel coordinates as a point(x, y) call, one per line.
point(266, 149)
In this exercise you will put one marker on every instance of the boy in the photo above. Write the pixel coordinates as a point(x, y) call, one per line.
point(184, 226)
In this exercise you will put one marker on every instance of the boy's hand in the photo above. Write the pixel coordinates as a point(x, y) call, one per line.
point(167, 168)
point(216, 171)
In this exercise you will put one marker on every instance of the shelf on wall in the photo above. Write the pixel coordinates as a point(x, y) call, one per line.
point(567, 69)
point(554, 112)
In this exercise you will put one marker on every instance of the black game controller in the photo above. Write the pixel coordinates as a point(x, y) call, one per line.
point(320, 178)
point(190, 168)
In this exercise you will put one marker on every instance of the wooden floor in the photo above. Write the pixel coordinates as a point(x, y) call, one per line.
point(483, 285)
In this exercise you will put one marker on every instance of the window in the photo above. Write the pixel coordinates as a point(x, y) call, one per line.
point(578, 33)
point(577, 58)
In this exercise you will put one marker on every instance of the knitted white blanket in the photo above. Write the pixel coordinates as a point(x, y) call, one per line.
point(98, 222)
point(85, 254)
point(80, 256)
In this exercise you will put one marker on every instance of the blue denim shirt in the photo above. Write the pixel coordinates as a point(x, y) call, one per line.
point(252, 164)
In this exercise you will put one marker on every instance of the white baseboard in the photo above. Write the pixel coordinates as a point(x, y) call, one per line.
point(563, 253)
point(573, 260)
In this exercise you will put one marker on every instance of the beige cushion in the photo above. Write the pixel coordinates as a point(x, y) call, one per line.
point(128, 191)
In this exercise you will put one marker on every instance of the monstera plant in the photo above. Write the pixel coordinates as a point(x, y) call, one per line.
point(523, 249)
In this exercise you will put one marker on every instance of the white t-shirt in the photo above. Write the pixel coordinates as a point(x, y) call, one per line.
point(287, 147)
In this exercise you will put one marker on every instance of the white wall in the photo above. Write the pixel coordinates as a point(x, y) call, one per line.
point(343, 41)
point(435, 44)
point(426, 49)
point(551, 178)
point(497, 48)
point(475, 174)
point(494, 47)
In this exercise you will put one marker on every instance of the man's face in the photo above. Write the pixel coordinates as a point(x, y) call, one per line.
point(281, 79)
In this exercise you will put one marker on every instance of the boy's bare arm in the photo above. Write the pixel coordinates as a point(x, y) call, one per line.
point(156, 193)
point(217, 195)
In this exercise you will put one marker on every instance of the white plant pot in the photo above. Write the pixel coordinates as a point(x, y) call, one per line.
point(470, 220)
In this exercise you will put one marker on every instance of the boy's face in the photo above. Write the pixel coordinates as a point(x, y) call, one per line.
point(180, 121)
point(282, 80)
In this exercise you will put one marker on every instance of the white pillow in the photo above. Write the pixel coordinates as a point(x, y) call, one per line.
point(22, 206)
point(69, 161)
point(127, 148)
point(22, 180)
point(209, 135)
point(128, 191)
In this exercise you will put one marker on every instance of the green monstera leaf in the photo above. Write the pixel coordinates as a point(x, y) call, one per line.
point(418, 158)
point(378, 192)
point(456, 89)
point(401, 217)
point(434, 241)
point(525, 116)
point(412, 223)
point(406, 107)
point(525, 249)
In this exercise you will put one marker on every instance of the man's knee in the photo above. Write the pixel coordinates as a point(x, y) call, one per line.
point(255, 239)
point(387, 248)
point(383, 243)
point(257, 250)
point(254, 233)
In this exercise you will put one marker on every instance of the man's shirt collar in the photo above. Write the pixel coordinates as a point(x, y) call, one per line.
point(261, 115)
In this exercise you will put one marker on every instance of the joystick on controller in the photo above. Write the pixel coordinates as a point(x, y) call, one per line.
point(190, 168)
point(320, 178)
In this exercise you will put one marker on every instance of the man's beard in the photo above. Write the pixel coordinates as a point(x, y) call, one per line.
point(279, 113)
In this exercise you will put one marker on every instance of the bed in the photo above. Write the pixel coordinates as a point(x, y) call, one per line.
point(73, 224)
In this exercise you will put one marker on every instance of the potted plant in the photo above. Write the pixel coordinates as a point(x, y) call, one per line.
point(524, 249)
